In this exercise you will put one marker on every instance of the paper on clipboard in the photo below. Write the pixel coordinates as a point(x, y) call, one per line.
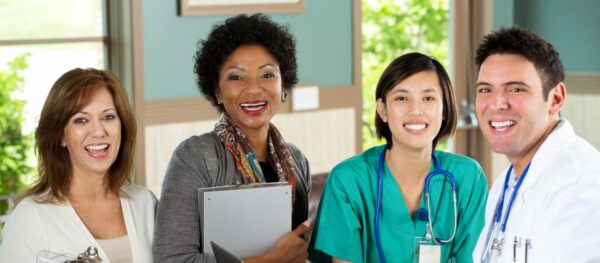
point(246, 220)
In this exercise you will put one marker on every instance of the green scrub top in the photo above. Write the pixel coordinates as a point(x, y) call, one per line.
point(345, 228)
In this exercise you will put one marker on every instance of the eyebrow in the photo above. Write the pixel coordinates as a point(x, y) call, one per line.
point(243, 69)
point(516, 82)
point(406, 91)
point(104, 111)
point(232, 67)
point(267, 65)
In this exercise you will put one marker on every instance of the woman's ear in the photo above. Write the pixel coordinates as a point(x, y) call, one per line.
point(218, 96)
point(381, 110)
point(284, 96)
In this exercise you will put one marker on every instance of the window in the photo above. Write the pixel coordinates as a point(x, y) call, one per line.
point(58, 35)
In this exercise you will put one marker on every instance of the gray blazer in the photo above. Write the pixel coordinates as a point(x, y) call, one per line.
point(203, 161)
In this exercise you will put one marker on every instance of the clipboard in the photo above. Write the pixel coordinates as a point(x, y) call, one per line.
point(247, 220)
point(223, 256)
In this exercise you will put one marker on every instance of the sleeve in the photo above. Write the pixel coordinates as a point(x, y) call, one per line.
point(337, 231)
point(24, 235)
point(303, 184)
point(177, 229)
point(569, 231)
point(471, 215)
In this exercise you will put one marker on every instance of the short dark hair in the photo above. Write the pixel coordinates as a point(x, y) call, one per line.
point(237, 31)
point(402, 68)
point(69, 94)
point(519, 41)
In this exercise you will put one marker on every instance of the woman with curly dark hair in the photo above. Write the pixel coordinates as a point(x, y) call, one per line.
point(245, 68)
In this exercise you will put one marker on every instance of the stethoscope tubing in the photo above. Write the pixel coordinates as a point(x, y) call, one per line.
point(437, 171)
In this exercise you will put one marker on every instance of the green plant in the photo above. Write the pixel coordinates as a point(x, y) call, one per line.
point(14, 145)
point(390, 29)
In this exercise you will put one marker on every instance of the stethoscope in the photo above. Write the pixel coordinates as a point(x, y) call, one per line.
point(495, 239)
point(421, 213)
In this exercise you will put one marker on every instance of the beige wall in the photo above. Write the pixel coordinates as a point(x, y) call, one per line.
point(583, 110)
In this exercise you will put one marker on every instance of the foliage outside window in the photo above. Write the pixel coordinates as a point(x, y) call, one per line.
point(390, 29)
point(14, 145)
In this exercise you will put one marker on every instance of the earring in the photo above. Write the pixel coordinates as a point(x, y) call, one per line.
point(284, 96)
point(64, 145)
point(219, 102)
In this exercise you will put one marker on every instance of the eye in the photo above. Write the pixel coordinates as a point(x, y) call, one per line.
point(429, 98)
point(80, 120)
point(268, 75)
point(109, 117)
point(483, 90)
point(516, 89)
point(234, 77)
point(400, 98)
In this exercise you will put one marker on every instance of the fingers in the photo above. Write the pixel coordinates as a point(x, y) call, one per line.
point(300, 230)
point(308, 222)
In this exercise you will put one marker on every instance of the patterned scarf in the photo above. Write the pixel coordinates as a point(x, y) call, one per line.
point(278, 153)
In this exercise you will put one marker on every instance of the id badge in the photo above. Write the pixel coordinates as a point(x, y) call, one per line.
point(427, 251)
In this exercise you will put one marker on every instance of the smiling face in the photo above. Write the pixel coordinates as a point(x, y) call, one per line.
point(513, 114)
point(250, 87)
point(413, 110)
point(93, 135)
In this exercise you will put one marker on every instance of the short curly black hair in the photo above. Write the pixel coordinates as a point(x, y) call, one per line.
point(519, 41)
point(224, 39)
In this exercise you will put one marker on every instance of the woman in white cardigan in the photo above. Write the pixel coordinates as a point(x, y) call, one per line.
point(83, 196)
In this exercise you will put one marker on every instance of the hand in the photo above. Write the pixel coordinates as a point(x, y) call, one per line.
point(290, 248)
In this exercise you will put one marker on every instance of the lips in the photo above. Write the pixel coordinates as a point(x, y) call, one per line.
point(254, 107)
point(415, 126)
point(97, 150)
point(502, 125)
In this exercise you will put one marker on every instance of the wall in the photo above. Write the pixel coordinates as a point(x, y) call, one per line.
point(571, 27)
point(323, 30)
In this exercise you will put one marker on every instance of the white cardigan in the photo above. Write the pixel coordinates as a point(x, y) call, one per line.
point(33, 227)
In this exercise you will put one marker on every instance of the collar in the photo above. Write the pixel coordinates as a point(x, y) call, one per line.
point(562, 134)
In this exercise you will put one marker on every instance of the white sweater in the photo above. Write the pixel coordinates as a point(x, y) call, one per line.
point(33, 227)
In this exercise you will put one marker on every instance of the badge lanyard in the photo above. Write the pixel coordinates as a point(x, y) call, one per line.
point(500, 229)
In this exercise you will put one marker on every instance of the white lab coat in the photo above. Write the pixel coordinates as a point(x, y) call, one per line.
point(33, 227)
point(557, 206)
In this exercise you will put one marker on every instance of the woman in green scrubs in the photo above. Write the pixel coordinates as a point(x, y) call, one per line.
point(415, 109)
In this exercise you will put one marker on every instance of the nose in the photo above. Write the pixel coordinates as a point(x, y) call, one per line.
point(499, 101)
point(254, 86)
point(416, 109)
point(97, 128)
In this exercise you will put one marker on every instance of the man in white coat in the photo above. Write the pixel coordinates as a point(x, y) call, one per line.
point(545, 207)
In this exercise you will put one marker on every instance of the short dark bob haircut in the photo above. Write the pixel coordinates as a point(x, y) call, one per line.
point(526, 43)
point(402, 68)
point(238, 31)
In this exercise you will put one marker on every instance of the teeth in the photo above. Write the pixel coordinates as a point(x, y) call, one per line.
point(502, 124)
point(415, 126)
point(97, 147)
point(253, 106)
